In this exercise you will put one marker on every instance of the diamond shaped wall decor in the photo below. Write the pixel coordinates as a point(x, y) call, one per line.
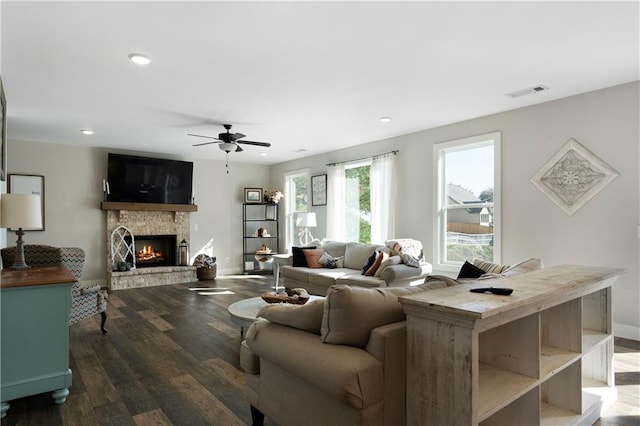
point(573, 176)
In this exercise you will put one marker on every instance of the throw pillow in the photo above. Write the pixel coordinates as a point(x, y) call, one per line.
point(370, 261)
point(312, 256)
point(307, 317)
point(410, 260)
point(528, 265)
point(469, 270)
point(298, 256)
point(392, 260)
point(328, 261)
point(381, 257)
point(406, 246)
point(351, 312)
point(489, 267)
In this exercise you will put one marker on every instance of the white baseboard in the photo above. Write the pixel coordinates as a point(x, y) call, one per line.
point(626, 331)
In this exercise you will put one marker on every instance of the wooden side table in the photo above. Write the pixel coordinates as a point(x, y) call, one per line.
point(34, 326)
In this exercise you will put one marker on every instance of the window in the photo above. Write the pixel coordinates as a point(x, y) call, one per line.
point(358, 202)
point(467, 224)
point(296, 199)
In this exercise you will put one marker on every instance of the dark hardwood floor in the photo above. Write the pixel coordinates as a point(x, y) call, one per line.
point(171, 357)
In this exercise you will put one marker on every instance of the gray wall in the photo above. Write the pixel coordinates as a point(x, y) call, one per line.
point(73, 192)
point(603, 233)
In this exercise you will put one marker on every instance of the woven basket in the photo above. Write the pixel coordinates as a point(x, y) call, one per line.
point(207, 273)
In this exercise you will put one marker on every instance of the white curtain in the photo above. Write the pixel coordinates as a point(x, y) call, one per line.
point(336, 203)
point(382, 181)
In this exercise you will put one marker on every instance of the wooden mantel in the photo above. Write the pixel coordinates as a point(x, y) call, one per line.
point(157, 207)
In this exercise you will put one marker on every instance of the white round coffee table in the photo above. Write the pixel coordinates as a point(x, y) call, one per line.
point(244, 312)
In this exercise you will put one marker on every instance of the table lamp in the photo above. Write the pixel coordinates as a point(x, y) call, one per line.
point(20, 211)
point(306, 221)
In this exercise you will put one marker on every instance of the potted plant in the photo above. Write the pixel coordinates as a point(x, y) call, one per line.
point(206, 267)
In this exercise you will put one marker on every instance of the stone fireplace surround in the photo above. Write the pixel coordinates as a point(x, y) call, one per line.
point(143, 219)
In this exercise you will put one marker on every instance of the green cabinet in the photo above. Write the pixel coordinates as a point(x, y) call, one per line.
point(34, 327)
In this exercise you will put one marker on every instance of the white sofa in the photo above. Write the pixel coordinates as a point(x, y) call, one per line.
point(352, 257)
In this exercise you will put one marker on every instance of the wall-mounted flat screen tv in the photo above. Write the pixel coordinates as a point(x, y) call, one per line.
point(149, 180)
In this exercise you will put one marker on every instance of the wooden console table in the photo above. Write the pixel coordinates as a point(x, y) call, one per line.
point(34, 326)
point(543, 355)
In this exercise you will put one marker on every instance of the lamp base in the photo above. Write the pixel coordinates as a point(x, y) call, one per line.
point(305, 237)
point(18, 262)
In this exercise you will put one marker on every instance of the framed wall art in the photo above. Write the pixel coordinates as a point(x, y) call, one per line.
point(319, 190)
point(253, 195)
point(28, 184)
point(573, 176)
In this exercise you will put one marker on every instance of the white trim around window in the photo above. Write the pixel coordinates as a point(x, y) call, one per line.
point(440, 262)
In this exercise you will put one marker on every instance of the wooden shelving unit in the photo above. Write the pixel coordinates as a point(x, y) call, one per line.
point(543, 355)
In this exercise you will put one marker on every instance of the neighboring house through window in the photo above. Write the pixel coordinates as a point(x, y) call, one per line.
point(467, 224)
point(296, 200)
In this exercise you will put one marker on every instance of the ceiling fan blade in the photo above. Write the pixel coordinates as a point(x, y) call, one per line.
point(206, 143)
point(236, 136)
point(202, 136)
point(267, 144)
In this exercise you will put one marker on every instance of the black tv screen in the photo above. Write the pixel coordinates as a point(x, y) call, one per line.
point(149, 180)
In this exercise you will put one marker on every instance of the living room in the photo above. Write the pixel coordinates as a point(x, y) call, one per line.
point(604, 232)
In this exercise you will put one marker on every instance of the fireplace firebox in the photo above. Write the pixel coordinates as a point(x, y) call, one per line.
point(155, 250)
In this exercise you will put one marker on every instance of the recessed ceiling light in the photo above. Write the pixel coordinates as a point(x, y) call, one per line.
point(139, 59)
point(385, 119)
point(86, 132)
point(263, 154)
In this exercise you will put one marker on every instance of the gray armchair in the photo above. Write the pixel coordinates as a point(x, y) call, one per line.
point(87, 300)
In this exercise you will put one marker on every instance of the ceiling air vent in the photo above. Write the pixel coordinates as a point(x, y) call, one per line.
point(529, 91)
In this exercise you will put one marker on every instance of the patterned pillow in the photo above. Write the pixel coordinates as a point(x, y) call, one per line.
point(328, 261)
point(489, 267)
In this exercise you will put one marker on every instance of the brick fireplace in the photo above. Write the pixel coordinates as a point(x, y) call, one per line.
point(156, 233)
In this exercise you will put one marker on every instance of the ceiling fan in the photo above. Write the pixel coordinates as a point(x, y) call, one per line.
point(229, 141)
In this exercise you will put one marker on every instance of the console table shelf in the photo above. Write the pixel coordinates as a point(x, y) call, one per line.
point(543, 355)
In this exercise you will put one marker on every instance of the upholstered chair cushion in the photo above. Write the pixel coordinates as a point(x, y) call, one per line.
point(307, 317)
point(350, 312)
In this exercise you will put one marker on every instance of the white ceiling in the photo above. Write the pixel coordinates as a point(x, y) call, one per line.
point(313, 76)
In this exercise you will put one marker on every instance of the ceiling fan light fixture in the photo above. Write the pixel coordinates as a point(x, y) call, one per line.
point(139, 58)
point(227, 147)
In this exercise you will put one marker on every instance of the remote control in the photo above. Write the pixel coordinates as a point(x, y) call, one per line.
point(502, 291)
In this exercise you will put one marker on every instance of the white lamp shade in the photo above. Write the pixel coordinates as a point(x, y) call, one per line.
point(20, 211)
point(306, 220)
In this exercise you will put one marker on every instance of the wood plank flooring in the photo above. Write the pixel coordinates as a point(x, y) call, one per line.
point(171, 358)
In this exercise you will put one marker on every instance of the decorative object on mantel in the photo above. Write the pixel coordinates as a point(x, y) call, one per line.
point(121, 249)
point(573, 176)
point(183, 253)
point(272, 196)
point(206, 267)
point(20, 211)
